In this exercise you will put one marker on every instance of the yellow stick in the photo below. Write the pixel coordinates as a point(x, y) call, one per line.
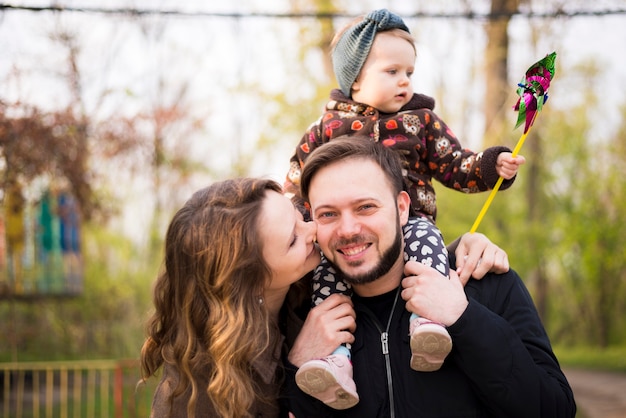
point(483, 211)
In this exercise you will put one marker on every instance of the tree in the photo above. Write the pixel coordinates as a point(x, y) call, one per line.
point(588, 237)
point(496, 68)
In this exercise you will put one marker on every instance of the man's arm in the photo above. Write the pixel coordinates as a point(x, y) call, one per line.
point(505, 351)
point(499, 340)
point(328, 325)
point(299, 403)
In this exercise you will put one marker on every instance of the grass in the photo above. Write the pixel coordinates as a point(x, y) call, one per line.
point(610, 359)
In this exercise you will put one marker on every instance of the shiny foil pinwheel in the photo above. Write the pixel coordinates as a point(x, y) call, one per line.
point(533, 93)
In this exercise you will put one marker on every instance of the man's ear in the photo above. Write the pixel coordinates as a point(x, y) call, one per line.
point(404, 204)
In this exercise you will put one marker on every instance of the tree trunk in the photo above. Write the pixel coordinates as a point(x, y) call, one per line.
point(532, 174)
point(496, 64)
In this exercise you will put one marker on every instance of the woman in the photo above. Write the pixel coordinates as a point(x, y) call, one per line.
point(231, 255)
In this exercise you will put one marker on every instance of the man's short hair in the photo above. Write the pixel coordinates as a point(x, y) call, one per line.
point(353, 147)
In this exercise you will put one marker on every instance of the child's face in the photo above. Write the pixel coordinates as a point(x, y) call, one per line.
point(385, 79)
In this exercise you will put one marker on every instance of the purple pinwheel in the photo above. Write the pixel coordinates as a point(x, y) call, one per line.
point(533, 90)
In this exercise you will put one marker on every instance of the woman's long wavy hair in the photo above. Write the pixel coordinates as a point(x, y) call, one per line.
point(207, 311)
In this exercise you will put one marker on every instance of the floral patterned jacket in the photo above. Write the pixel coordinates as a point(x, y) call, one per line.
point(428, 148)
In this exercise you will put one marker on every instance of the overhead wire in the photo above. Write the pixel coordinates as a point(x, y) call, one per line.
point(468, 15)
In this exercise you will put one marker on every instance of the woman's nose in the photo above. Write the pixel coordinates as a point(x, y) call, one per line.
point(311, 230)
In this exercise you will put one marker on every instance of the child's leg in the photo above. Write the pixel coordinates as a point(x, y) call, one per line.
point(430, 342)
point(423, 242)
point(325, 282)
point(329, 379)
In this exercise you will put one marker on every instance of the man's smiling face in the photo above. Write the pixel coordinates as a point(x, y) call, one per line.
point(358, 219)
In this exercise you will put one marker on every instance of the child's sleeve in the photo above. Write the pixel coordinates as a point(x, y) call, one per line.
point(456, 167)
point(307, 144)
point(291, 187)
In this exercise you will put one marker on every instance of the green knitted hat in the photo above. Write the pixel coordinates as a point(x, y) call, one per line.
point(354, 45)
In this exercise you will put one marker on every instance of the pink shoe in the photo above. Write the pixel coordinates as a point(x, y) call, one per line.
point(430, 345)
point(330, 380)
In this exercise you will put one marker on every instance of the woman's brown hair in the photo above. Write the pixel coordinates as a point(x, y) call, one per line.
point(207, 311)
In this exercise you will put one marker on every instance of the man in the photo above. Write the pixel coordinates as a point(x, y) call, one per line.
point(501, 364)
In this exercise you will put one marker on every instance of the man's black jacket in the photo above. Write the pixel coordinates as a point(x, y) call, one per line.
point(501, 364)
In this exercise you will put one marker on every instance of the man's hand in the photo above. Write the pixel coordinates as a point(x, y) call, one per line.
point(429, 294)
point(328, 325)
point(476, 256)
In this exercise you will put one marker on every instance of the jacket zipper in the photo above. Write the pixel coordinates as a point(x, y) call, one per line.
point(384, 342)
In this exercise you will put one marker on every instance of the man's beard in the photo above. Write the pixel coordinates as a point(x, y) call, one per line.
point(387, 260)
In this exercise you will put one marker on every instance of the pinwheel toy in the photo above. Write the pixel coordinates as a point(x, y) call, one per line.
point(533, 92)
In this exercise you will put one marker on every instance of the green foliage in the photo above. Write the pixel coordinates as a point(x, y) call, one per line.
point(293, 110)
point(589, 357)
point(105, 321)
point(562, 224)
point(592, 239)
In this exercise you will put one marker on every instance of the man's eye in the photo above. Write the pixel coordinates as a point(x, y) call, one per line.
point(325, 215)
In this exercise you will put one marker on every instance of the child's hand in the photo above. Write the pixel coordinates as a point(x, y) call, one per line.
point(507, 165)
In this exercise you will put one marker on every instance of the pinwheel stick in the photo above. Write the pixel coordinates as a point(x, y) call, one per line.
point(495, 189)
point(533, 92)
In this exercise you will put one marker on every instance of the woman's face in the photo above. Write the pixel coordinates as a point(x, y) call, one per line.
point(289, 247)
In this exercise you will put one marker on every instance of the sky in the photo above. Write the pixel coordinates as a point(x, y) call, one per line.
point(127, 58)
point(219, 51)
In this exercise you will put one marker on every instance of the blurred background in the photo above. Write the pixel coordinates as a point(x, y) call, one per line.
point(113, 113)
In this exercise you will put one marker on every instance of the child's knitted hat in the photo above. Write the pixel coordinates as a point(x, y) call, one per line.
point(353, 47)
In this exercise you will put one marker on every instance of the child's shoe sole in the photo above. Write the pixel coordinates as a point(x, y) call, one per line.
point(430, 345)
point(330, 381)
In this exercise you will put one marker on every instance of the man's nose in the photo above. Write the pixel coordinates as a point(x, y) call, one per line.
point(349, 226)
